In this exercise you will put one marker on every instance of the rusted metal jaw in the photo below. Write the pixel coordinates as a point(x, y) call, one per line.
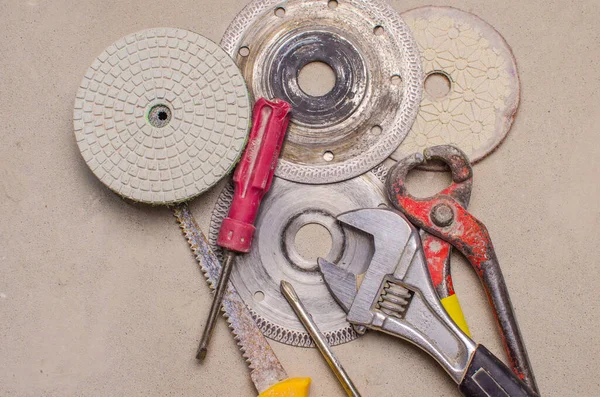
point(444, 216)
point(437, 251)
point(453, 157)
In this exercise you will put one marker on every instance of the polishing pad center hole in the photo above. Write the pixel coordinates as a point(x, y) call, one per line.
point(313, 241)
point(437, 85)
point(159, 116)
point(316, 79)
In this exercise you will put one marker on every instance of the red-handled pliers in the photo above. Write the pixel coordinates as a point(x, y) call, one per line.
point(444, 216)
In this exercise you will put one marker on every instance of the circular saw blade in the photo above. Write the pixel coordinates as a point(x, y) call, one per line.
point(483, 98)
point(377, 89)
point(286, 208)
point(162, 115)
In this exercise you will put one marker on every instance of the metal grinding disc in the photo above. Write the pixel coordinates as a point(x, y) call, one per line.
point(479, 109)
point(162, 115)
point(377, 89)
point(287, 207)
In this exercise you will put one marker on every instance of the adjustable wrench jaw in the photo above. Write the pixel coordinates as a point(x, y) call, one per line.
point(396, 295)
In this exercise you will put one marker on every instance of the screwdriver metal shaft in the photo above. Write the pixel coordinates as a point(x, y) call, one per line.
point(228, 259)
point(252, 179)
point(311, 327)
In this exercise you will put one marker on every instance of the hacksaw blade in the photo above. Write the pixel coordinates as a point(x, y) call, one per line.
point(266, 369)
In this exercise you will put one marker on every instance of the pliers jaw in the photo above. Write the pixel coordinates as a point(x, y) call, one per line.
point(434, 210)
point(453, 157)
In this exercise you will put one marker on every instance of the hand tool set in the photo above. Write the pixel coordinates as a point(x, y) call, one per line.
point(164, 114)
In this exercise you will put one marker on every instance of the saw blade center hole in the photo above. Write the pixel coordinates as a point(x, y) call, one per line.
point(438, 85)
point(316, 78)
point(313, 241)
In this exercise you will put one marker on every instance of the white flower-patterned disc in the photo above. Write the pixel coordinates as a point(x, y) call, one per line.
point(479, 108)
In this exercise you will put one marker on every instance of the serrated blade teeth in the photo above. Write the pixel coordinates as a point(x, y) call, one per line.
point(266, 369)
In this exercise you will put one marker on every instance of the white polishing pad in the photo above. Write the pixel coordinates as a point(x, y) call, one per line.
point(162, 115)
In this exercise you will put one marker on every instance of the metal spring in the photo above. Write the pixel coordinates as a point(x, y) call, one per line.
point(394, 300)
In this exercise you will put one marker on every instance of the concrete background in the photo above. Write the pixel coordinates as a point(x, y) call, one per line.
point(102, 297)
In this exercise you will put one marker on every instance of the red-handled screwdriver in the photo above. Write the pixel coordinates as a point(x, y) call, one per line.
point(252, 179)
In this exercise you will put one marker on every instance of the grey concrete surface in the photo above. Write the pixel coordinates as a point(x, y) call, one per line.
point(101, 297)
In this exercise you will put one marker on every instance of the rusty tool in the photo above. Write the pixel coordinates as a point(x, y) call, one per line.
point(395, 295)
point(444, 216)
point(293, 299)
point(252, 179)
point(437, 251)
point(268, 375)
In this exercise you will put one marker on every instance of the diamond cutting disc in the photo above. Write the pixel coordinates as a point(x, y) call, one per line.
point(477, 112)
point(162, 115)
point(377, 89)
point(287, 207)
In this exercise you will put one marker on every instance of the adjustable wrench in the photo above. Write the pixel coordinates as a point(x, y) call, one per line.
point(396, 296)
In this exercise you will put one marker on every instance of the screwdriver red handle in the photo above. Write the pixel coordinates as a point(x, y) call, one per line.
point(254, 173)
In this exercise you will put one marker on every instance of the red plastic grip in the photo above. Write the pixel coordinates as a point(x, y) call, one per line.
point(254, 173)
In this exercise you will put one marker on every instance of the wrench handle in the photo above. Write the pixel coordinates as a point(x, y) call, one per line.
point(488, 376)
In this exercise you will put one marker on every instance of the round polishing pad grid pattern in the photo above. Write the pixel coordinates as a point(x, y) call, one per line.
point(162, 115)
point(479, 66)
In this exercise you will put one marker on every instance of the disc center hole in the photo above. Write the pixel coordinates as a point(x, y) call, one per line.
point(313, 241)
point(159, 116)
point(316, 78)
point(437, 85)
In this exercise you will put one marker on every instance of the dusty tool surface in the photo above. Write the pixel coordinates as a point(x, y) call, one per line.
point(286, 210)
point(102, 297)
point(377, 86)
point(477, 108)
